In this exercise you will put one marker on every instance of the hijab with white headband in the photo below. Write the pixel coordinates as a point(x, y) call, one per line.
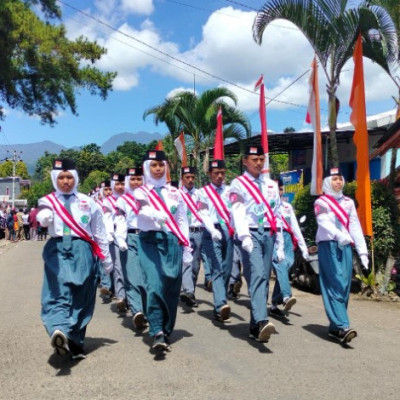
point(116, 178)
point(327, 184)
point(103, 185)
point(154, 155)
point(60, 166)
point(137, 171)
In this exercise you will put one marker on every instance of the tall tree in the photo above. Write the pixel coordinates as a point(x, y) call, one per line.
point(332, 27)
point(197, 117)
point(40, 69)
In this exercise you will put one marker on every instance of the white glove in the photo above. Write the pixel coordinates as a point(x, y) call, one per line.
point(108, 265)
point(187, 256)
point(121, 243)
point(45, 217)
point(306, 255)
point(280, 255)
point(247, 244)
point(216, 235)
point(110, 238)
point(364, 261)
point(343, 238)
point(160, 216)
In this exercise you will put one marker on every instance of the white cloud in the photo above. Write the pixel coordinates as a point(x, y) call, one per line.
point(144, 7)
point(178, 90)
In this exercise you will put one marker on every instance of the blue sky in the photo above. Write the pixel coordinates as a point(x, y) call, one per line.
point(211, 35)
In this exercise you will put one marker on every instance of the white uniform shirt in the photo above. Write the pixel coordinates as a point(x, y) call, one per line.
point(147, 218)
point(208, 212)
point(85, 212)
point(329, 225)
point(288, 214)
point(125, 219)
point(192, 220)
point(245, 210)
point(109, 217)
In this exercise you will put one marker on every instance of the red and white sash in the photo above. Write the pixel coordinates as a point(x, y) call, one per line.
point(192, 206)
point(220, 206)
point(337, 209)
point(113, 202)
point(159, 205)
point(259, 198)
point(131, 201)
point(289, 230)
point(69, 220)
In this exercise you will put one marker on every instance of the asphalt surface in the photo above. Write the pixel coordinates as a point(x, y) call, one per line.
point(208, 360)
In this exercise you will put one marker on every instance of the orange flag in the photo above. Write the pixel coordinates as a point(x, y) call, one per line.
point(161, 147)
point(263, 120)
point(358, 118)
point(313, 117)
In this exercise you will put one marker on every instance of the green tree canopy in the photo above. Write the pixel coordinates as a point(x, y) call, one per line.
point(6, 169)
point(40, 69)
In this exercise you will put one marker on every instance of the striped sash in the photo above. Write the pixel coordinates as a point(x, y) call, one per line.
point(131, 201)
point(337, 209)
point(68, 219)
point(192, 206)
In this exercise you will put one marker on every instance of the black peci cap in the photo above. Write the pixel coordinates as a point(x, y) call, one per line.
point(216, 164)
point(254, 151)
point(155, 155)
point(333, 171)
point(106, 183)
point(137, 171)
point(64, 164)
point(118, 177)
point(188, 170)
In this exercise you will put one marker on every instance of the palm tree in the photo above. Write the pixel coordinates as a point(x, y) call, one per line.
point(332, 29)
point(197, 117)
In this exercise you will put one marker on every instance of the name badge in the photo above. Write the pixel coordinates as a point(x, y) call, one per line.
point(259, 209)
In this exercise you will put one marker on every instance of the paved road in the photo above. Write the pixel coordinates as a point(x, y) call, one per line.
point(208, 360)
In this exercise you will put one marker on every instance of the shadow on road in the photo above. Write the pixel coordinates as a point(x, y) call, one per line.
point(65, 363)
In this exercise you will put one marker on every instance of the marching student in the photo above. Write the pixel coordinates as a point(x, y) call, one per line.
point(163, 246)
point(196, 229)
point(127, 234)
point(256, 213)
point(116, 244)
point(70, 260)
point(338, 230)
point(214, 208)
point(106, 285)
point(292, 238)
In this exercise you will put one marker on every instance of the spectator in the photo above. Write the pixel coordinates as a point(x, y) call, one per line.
point(33, 223)
point(25, 220)
point(10, 226)
point(2, 224)
point(20, 227)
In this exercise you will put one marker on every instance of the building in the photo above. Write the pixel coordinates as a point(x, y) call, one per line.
point(6, 190)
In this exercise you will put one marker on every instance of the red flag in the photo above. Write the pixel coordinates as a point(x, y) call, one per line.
point(180, 147)
point(219, 138)
point(358, 118)
point(313, 117)
point(161, 147)
point(263, 120)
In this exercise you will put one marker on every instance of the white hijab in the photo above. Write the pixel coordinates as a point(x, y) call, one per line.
point(327, 188)
point(149, 180)
point(54, 175)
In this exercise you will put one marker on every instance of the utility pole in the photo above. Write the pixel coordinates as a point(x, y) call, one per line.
point(15, 158)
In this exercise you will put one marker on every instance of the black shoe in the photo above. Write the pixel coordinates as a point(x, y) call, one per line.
point(139, 321)
point(223, 314)
point(276, 312)
point(208, 285)
point(231, 292)
point(343, 335)
point(159, 343)
point(237, 286)
point(262, 331)
point(59, 342)
point(289, 303)
point(78, 353)
point(188, 299)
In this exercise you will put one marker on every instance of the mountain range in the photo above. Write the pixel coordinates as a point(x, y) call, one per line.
point(31, 152)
